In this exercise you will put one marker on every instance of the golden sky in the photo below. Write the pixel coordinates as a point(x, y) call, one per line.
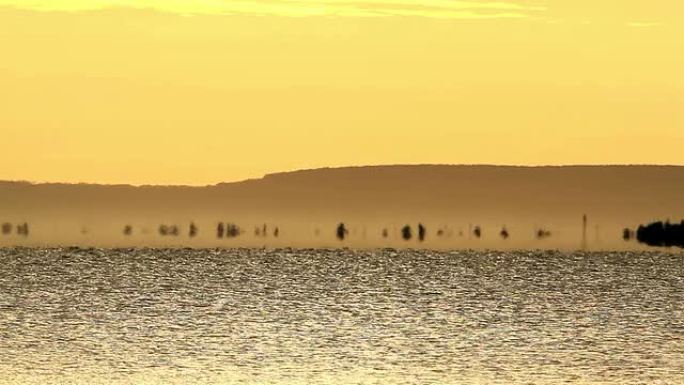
point(204, 91)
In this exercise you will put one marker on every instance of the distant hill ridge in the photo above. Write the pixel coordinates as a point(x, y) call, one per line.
point(365, 170)
point(305, 203)
point(615, 191)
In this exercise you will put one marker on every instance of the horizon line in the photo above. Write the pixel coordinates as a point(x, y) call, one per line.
point(294, 171)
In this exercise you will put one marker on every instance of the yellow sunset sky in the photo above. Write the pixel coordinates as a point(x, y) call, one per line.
point(200, 92)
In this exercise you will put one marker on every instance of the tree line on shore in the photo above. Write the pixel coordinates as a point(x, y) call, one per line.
point(660, 234)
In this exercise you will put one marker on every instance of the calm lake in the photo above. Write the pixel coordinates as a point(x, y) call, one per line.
point(92, 316)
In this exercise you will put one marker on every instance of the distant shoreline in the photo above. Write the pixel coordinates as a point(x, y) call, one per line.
point(670, 251)
point(516, 207)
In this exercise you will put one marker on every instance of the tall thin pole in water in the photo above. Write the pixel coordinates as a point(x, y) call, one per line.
point(584, 232)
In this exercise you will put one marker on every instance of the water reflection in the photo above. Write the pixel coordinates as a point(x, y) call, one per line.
point(339, 316)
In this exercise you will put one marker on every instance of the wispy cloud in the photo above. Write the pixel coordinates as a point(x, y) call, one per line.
point(641, 24)
point(447, 9)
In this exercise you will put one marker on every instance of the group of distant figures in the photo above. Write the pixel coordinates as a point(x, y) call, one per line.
point(231, 230)
point(223, 230)
point(658, 234)
point(21, 229)
point(166, 230)
point(407, 232)
point(263, 231)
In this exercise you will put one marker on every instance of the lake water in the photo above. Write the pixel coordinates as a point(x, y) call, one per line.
point(70, 316)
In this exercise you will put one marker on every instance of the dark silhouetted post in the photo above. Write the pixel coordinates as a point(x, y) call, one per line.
point(584, 232)
point(597, 233)
point(220, 230)
point(193, 230)
point(276, 232)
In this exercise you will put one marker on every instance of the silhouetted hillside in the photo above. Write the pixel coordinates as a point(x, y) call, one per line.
point(379, 199)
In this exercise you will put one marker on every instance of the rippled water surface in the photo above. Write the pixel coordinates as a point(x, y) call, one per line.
point(94, 316)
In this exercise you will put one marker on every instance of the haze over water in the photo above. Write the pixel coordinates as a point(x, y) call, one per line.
point(84, 316)
point(234, 192)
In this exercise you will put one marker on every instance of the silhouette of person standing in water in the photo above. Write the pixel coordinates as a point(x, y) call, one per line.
point(406, 233)
point(341, 231)
point(23, 230)
point(421, 232)
point(220, 230)
point(477, 232)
